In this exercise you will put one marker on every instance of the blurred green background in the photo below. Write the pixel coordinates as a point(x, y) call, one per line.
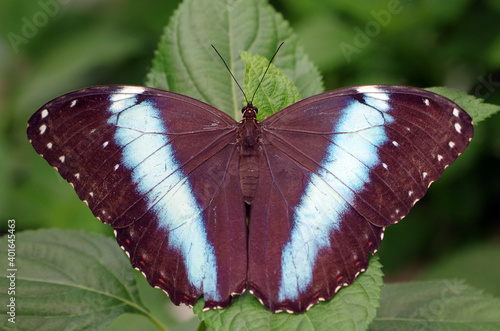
point(50, 47)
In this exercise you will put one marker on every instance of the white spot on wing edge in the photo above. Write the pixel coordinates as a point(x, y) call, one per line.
point(126, 92)
point(45, 113)
point(238, 293)
point(369, 89)
point(132, 89)
point(376, 92)
point(43, 127)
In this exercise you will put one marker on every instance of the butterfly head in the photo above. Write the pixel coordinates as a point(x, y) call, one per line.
point(249, 111)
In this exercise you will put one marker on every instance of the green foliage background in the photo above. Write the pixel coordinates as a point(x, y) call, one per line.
point(453, 231)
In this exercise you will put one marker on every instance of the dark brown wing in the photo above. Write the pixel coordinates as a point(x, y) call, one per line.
point(162, 169)
point(337, 168)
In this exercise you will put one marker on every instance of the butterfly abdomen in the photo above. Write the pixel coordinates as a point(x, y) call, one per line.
point(249, 173)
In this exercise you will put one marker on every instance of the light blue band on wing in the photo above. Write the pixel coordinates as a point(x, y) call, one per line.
point(344, 172)
point(147, 152)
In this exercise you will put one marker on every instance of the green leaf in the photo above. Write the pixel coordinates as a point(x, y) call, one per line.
point(436, 305)
point(476, 107)
point(67, 280)
point(352, 308)
point(276, 91)
point(185, 62)
point(472, 263)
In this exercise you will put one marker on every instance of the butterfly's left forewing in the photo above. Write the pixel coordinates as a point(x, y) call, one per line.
point(336, 169)
point(162, 169)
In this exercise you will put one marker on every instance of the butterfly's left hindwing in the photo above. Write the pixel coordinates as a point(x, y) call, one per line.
point(161, 169)
point(336, 169)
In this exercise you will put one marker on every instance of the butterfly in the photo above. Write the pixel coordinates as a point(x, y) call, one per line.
point(289, 208)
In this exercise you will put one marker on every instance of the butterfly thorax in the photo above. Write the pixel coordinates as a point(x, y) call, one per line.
point(249, 142)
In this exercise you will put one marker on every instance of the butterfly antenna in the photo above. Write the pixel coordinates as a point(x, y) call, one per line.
point(234, 78)
point(265, 72)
